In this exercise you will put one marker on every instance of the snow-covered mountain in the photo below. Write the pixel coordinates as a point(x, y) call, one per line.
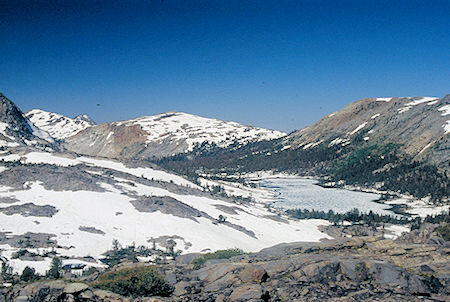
point(57, 125)
point(164, 134)
point(16, 130)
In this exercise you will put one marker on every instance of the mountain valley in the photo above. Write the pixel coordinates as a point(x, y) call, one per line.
point(171, 187)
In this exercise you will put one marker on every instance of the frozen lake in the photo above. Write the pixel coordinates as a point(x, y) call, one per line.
point(302, 193)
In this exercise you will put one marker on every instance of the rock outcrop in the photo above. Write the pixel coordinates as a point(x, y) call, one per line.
point(352, 269)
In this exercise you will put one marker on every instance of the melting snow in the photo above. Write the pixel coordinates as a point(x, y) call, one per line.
point(109, 135)
point(446, 127)
point(336, 141)
point(445, 110)
point(375, 116)
point(311, 145)
point(358, 128)
point(40, 133)
point(383, 99)
point(422, 100)
point(3, 127)
point(417, 102)
point(98, 209)
point(196, 130)
point(426, 147)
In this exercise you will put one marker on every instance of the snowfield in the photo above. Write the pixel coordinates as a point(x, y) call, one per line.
point(111, 215)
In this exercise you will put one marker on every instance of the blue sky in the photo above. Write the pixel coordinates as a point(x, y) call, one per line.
point(275, 64)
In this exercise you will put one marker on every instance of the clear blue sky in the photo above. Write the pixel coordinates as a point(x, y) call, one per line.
point(276, 64)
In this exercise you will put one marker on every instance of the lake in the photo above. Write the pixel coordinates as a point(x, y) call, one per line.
point(303, 193)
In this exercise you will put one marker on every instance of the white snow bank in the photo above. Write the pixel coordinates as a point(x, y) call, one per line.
point(358, 128)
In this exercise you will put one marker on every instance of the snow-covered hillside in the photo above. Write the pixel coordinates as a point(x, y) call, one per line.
point(194, 129)
point(162, 135)
point(59, 126)
point(80, 204)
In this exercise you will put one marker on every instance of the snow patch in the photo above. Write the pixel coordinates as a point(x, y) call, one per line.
point(40, 133)
point(383, 99)
point(358, 128)
point(445, 110)
point(426, 147)
point(446, 127)
point(3, 127)
point(311, 145)
point(421, 100)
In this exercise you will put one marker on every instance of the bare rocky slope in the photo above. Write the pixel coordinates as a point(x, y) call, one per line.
point(419, 126)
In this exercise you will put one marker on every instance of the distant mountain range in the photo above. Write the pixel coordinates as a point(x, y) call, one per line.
point(73, 186)
point(392, 144)
point(396, 143)
point(165, 134)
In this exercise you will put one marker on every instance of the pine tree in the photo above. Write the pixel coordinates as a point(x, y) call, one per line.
point(55, 268)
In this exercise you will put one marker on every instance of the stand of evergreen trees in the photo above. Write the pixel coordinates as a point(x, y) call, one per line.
point(354, 216)
point(371, 218)
point(367, 166)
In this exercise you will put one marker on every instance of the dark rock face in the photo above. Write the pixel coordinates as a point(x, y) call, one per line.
point(91, 230)
point(11, 114)
point(30, 209)
point(52, 177)
point(166, 205)
point(19, 127)
point(28, 240)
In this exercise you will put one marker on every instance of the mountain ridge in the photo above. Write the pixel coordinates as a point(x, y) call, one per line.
point(398, 145)
point(58, 125)
point(161, 135)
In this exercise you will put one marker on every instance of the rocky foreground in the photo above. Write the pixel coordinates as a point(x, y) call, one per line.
point(415, 267)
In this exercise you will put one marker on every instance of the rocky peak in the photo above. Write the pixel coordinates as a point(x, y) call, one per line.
point(59, 126)
point(16, 129)
point(85, 118)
